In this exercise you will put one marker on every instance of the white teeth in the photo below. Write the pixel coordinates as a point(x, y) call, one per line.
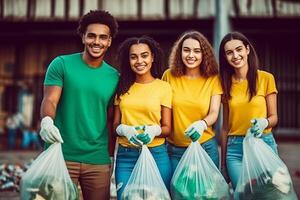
point(190, 61)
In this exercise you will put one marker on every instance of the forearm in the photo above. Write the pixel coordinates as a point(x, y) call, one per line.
point(272, 120)
point(211, 118)
point(165, 131)
point(48, 108)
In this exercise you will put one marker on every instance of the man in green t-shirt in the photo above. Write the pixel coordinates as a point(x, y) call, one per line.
point(78, 91)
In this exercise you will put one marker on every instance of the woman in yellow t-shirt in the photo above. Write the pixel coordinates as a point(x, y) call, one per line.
point(142, 108)
point(196, 87)
point(249, 96)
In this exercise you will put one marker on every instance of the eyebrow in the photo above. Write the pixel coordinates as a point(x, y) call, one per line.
point(145, 52)
point(192, 48)
point(234, 48)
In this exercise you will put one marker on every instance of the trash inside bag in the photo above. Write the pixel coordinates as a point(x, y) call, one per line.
point(197, 177)
point(48, 178)
point(264, 176)
point(145, 182)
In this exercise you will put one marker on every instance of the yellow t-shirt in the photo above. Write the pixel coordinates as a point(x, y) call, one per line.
point(191, 101)
point(241, 111)
point(141, 105)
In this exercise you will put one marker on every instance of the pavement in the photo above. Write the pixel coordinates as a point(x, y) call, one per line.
point(288, 151)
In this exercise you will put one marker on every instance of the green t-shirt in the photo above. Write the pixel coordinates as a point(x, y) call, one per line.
point(81, 114)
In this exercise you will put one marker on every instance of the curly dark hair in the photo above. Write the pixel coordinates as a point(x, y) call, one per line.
point(208, 66)
point(128, 76)
point(227, 71)
point(98, 17)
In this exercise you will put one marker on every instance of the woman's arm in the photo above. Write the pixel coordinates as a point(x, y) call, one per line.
point(213, 112)
point(224, 134)
point(272, 116)
point(166, 120)
point(117, 118)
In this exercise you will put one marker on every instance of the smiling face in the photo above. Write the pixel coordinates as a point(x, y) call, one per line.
point(140, 59)
point(96, 39)
point(191, 54)
point(236, 53)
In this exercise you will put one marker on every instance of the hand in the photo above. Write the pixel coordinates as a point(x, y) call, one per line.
point(258, 126)
point(130, 133)
point(195, 130)
point(149, 134)
point(225, 174)
point(49, 132)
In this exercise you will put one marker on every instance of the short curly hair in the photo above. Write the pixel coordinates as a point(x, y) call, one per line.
point(98, 17)
point(208, 67)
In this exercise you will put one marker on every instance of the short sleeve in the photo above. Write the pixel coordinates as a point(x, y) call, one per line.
point(217, 87)
point(167, 96)
point(271, 85)
point(166, 75)
point(55, 73)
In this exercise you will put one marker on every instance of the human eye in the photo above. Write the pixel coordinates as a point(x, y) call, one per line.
point(197, 50)
point(132, 57)
point(228, 53)
point(239, 49)
point(186, 50)
point(104, 37)
point(145, 55)
point(90, 35)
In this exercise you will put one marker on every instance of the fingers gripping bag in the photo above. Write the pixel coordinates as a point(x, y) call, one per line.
point(48, 178)
point(197, 177)
point(264, 176)
point(145, 181)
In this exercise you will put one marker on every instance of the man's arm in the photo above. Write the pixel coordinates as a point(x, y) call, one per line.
point(51, 98)
point(49, 132)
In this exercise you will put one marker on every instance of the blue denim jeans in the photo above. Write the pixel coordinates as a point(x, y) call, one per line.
point(210, 146)
point(234, 155)
point(126, 159)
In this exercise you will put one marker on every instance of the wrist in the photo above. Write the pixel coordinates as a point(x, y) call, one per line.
point(204, 123)
point(46, 120)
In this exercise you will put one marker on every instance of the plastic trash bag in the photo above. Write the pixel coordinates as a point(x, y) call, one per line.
point(264, 176)
point(197, 177)
point(48, 178)
point(145, 181)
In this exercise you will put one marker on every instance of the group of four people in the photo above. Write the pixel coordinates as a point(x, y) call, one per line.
point(164, 110)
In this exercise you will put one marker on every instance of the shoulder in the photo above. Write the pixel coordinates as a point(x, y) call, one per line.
point(62, 59)
point(264, 75)
point(162, 83)
point(110, 68)
point(167, 73)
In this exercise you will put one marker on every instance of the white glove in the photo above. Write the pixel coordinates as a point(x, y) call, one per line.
point(258, 126)
point(49, 132)
point(130, 133)
point(149, 133)
point(195, 130)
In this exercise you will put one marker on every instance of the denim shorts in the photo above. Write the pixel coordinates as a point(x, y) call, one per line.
point(234, 155)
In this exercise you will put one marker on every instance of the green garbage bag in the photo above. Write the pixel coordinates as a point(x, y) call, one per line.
point(197, 177)
point(48, 178)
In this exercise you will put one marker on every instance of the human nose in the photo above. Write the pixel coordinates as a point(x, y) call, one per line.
point(235, 54)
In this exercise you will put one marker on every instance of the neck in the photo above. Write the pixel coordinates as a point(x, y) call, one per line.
point(192, 72)
point(92, 62)
point(241, 73)
point(145, 78)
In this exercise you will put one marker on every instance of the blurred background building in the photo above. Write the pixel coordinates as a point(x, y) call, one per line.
point(33, 32)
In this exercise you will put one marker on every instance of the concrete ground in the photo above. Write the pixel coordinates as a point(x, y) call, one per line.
point(288, 151)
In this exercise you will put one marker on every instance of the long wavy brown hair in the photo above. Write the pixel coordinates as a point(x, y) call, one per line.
point(208, 66)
